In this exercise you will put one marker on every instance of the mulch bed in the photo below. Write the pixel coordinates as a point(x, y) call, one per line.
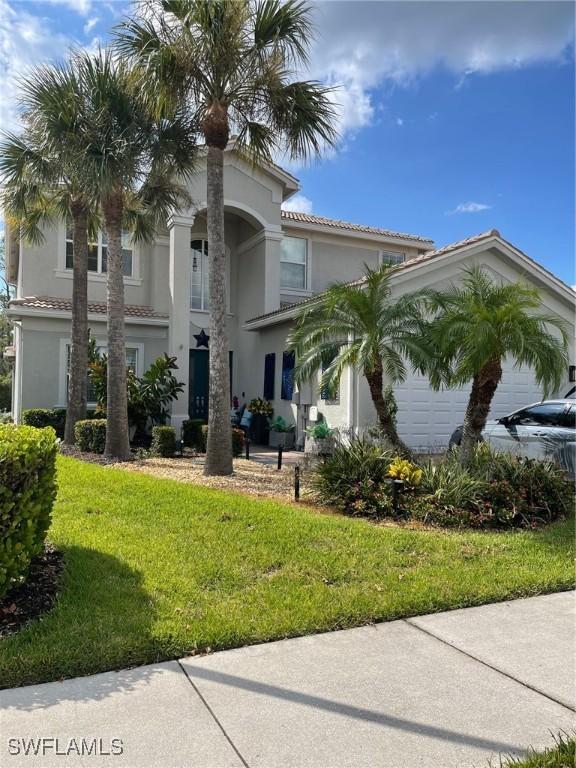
point(36, 596)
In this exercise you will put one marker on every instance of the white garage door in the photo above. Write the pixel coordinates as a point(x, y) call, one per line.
point(427, 418)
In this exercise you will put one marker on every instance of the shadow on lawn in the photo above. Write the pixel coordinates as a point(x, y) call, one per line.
point(101, 620)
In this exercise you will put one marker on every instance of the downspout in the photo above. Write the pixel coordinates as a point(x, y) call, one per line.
point(17, 375)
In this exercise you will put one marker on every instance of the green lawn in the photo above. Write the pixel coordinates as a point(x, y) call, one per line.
point(563, 755)
point(156, 569)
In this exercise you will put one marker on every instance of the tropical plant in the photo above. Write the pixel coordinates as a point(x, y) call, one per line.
point(260, 407)
point(480, 323)
point(148, 397)
point(355, 478)
point(450, 484)
point(360, 325)
point(320, 431)
point(279, 424)
point(407, 471)
point(42, 181)
point(232, 63)
point(129, 158)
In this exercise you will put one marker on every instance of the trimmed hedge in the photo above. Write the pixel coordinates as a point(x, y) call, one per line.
point(90, 435)
point(237, 440)
point(192, 433)
point(27, 494)
point(46, 417)
point(163, 441)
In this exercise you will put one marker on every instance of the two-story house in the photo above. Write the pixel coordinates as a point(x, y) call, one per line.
point(275, 259)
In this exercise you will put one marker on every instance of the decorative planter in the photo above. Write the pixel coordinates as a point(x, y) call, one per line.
point(259, 429)
point(283, 440)
point(319, 446)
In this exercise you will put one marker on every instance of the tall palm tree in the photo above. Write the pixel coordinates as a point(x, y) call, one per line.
point(233, 63)
point(480, 323)
point(128, 158)
point(359, 325)
point(39, 186)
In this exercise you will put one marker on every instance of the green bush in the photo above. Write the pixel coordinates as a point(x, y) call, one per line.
point(90, 435)
point(192, 433)
point(27, 493)
point(355, 479)
point(46, 417)
point(496, 490)
point(163, 441)
point(237, 440)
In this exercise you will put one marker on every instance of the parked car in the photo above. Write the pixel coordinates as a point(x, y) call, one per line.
point(539, 431)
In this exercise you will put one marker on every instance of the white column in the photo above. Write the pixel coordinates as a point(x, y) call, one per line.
point(179, 226)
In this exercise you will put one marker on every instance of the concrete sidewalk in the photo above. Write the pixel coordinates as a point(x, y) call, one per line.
point(451, 689)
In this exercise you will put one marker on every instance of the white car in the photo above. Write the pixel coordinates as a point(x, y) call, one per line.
point(545, 430)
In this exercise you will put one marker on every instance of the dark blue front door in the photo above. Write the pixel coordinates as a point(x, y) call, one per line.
point(198, 390)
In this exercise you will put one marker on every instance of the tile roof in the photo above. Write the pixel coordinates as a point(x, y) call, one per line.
point(308, 218)
point(65, 305)
point(409, 263)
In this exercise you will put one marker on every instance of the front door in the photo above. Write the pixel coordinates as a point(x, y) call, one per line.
point(198, 389)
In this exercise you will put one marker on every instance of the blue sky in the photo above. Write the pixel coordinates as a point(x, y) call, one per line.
point(456, 117)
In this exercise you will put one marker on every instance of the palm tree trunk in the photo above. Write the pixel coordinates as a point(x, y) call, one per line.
point(219, 444)
point(76, 399)
point(117, 436)
point(484, 385)
point(375, 378)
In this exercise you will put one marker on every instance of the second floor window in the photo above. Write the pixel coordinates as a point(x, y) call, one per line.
point(199, 297)
point(392, 257)
point(98, 253)
point(294, 264)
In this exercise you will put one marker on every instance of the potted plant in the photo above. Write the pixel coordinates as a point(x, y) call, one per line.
point(281, 433)
point(261, 411)
point(319, 439)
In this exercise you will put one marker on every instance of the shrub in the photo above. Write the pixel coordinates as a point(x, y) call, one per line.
point(237, 440)
point(163, 441)
point(355, 479)
point(90, 435)
point(6, 417)
point(407, 471)
point(192, 433)
point(319, 431)
point(450, 484)
point(46, 417)
point(27, 493)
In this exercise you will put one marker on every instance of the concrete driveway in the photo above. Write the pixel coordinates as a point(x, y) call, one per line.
point(445, 690)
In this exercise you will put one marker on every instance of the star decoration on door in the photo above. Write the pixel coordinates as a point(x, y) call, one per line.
point(202, 339)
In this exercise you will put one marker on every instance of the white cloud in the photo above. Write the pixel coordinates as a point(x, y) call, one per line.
point(90, 24)
point(299, 203)
point(83, 7)
point(362, 45)
point(399, 121)
point(25, 40)
point(471, 207)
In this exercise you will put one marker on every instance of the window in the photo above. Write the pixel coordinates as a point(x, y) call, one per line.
point(392, 257)
point(199, 266)
point(131, 363)
point(269, 375)
point(98, 252)
point(288, 360)
point(294, 263)
point(546, 414)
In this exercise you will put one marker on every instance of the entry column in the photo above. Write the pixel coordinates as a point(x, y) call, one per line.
point(179, 225)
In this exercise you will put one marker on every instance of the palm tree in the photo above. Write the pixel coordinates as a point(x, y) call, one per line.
point(232, 63)
point(40, 185)
point(359, 325)
point(480, 323)
point(128, 158)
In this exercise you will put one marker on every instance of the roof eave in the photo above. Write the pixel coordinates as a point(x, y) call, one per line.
point(16, 312)
point(343, 232)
